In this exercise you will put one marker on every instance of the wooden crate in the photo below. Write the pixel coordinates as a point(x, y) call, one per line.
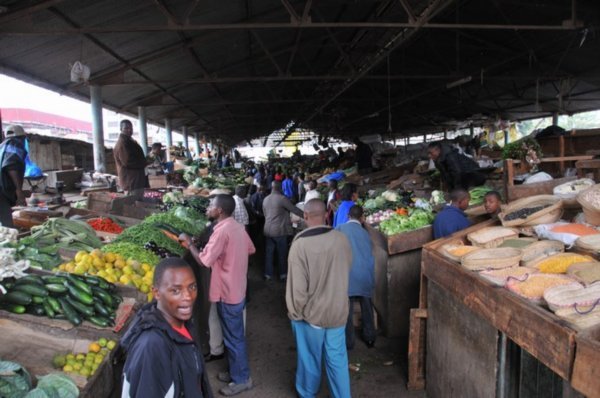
point(108, 203)
point(157, 181)
point(34, 347)
point(411, 240)
point(586, 370)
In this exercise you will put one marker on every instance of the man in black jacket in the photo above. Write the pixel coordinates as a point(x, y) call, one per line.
point(457, 170)
point(163, 360)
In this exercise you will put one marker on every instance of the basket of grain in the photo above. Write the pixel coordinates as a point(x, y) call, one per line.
point(534, 286)
point(586, 273)
point(568, 191)
point(501, 276)
point(519, 243)
point(590, 203)
point(495, 258)
point(579, 320)
point(589, 242)
point(559, 263)
point(491, 236)
point(455, 251)
point(574, 295)
point(534, 210)
point(539, 250)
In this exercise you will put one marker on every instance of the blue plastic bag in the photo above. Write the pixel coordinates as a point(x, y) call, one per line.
point(32, 170)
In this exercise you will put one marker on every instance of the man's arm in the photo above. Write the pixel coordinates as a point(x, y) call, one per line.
point(289, 206)
point(297, 285)
point(17, 179)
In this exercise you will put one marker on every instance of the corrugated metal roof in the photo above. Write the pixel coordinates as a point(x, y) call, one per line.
point(240, 69)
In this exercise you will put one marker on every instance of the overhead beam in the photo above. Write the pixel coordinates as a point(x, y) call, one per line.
point(18, 30)
point(267, 52)
point(190, 9)
point(290, 9)
point(15, 13)
point(171, 19)
point(408, 9)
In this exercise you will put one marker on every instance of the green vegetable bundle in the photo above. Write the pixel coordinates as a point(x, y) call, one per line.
point(416, 219)
point(182, 224)
point(477, 195)
point(145, 232)
point(131, 250)
point(15, 381)
point(72, 297)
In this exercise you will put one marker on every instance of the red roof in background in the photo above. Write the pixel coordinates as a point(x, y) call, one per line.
point(29, 116)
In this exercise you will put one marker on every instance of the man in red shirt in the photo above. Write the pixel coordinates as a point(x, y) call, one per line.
point(226, 253)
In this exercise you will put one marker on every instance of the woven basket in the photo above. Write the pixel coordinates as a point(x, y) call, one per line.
point(591, 213)
point(491, 237)
point(572, 189)
point(586, 273)
point(536, 264)
point(578, 320)
point(536, 285)
point(574, 295)
point(446, 250)
point(519, 243)
point(540, 250)
point(501, 276)
point(589, 242)
point(496, 258)
point(548, 215)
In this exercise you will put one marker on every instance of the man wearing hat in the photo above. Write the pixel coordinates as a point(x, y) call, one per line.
point(12, 166)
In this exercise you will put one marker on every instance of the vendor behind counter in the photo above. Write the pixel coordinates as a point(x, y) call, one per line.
point(452, 218)
point(457, 170)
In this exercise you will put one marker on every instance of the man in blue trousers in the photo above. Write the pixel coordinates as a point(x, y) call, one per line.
point(317, 302)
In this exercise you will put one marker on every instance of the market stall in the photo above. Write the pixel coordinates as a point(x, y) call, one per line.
point(486, 327)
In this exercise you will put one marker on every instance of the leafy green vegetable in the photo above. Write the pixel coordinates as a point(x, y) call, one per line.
point(131, 250)
point(180, 218)
point(477, 195)
point(60, 383)
point(145, 232)
point(15, 381)
point(416, 219)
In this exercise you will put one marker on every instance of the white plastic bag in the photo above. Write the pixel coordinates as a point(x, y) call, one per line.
point(538, 177)
point(544, 231)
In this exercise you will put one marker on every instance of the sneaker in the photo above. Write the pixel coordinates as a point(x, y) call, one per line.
point(283, 278)
point(267, 278)
point(212, 357)
point(225, 377)
point(234, 389)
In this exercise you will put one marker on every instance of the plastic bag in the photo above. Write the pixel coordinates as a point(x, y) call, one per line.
point(31, 169)
point(544, 231)
point(538, 177)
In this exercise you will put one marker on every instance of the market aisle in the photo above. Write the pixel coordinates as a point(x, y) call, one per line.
point(273, 356)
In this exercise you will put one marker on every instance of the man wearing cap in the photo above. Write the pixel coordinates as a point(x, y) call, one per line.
point(131, 162)
point(12, 165)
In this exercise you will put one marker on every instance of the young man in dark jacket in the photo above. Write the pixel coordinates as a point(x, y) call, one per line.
point(163, 359)
point(457, 170)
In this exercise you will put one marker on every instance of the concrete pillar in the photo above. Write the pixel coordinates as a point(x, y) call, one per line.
point(197, 141)
point(555, 119)
point(186, 145)
point(169, 132)
point(143, 129)
point(98, 129)
point(471, 130)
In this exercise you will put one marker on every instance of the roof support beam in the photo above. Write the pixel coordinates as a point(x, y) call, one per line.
point(306, 12)
point(408, 10)
point(19, 30)
point(290, 9)
point(188, 12)
point(268, 53)
point(171, 19)
point(12, 14)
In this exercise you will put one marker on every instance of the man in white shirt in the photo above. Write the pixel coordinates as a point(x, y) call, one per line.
point(240, 214)
point(312, 192)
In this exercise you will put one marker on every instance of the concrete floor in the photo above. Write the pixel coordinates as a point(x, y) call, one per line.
point(272, 352)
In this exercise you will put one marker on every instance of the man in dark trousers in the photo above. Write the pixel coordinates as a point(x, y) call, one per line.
point(163, 359)
point(457, 170)
point(12, 170)
point(131, 162)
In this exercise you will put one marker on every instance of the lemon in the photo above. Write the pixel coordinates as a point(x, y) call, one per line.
point(77, 367)
point(98, 263)
point(128, 270)
point(62, 267)
point(94, 347)
point(109, 258)
point(80, 255)
point(119, 263)
point(111, 344)
point(102, 273)
point(146, 267)
point(59, 361)
point(67, 368)
point(85, 371)
point(111, 279)
point(124, 279)
point(96, 253)
point(102, 342)
point(70, 267)
point(118, 273)
point(98, 360)
point(150, 297)
point(144, 288)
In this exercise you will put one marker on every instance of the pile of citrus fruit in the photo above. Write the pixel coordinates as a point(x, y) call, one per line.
point(113, 268)
point(85, 364)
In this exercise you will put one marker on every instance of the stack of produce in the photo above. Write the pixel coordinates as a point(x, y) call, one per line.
point(41, 248)
point(524, 212)
point(144, 232)
point(103, 224)
point(132, 251)
point(63, 296)
point(501, 276)
point(16, 382)
point(8, 235)
point(85, 363)
point(113, 268)
point(415, 219)
point(573, 295)
point(10, 267)
point(492, 236)
point(535, 285)
point(586, 273)
point(570, 190)
point(477, 194)
point(533, 210)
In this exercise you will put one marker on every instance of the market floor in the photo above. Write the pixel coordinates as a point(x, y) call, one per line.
point(272, 354)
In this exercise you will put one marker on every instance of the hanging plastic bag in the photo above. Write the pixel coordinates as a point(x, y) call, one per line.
point(32, 170)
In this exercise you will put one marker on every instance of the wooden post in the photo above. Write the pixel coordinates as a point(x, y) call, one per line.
point(471, 130)
point(561, 153)
point(509, 175)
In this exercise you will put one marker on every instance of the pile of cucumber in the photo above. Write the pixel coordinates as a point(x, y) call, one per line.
point(63, 296)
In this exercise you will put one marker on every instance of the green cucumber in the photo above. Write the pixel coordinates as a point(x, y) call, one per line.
point(16, 297)
point(99, 321)
point(54, 304)
point(79, 307)
point(36, 309)
point(30, 279)
point(104, 296)
point(56, 288)
point(48, 309)
point(37, 300)
point(14, 308)
point(80, 295)
point(69, 312)
point(31, 288)
point(54, 279)
point(81, 285)
point(100, 309)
